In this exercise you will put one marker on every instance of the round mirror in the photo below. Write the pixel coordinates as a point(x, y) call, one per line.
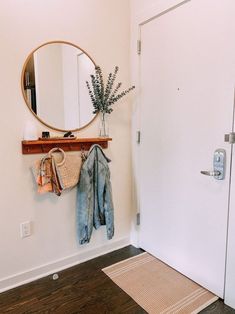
point(54, 85)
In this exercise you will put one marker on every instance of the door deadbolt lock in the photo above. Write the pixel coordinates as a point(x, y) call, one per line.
point(219, 162)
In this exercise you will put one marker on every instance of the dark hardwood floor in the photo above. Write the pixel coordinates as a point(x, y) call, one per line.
point(81, 289)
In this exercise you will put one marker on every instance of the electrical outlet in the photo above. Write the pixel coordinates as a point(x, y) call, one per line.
point(25, 229)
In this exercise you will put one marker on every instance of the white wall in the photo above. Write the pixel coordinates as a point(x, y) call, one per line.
point(101, 27)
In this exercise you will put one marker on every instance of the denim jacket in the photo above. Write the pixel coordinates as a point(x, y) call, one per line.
point(94, 196)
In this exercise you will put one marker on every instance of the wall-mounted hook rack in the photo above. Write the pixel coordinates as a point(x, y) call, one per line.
point(44, 146)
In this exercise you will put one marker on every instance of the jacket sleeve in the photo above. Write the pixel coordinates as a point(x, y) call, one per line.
point(84, 206)
point(103, 209)
point(108, 207)
point(99, 186)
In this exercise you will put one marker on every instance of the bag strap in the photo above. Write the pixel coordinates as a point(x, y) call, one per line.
point(57, 149)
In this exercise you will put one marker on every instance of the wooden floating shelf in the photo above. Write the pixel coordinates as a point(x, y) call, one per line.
point(44, 146)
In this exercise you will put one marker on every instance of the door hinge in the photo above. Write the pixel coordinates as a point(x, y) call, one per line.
point(138, 219)
point(230, 138)
point(138, 136)
point(139, 46)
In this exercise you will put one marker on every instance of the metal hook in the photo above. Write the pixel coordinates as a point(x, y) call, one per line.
point(83, 153)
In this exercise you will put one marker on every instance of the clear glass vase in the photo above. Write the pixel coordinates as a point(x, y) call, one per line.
point(104, 127)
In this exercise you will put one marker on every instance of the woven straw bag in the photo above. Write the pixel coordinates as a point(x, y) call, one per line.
point(67, 167)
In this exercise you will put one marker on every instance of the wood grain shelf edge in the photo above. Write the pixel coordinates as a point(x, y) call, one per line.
point(40, 146)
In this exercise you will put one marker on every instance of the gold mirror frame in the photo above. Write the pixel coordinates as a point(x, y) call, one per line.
point(24, 95)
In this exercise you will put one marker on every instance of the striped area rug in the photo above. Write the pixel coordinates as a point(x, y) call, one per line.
point(158, 288)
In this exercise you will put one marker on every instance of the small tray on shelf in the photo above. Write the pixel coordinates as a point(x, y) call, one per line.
point(56, 138)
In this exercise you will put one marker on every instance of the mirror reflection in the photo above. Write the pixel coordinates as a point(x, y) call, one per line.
point(54, 85)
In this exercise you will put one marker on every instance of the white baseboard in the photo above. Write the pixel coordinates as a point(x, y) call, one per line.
point(30, 275)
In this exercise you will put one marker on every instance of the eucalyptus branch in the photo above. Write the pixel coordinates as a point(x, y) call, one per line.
point(101, 81)
point(104, 96)
point(119, 96)
point(108, 87)
point(116, 90)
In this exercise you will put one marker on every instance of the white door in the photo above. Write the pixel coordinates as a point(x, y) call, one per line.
point(187, 86)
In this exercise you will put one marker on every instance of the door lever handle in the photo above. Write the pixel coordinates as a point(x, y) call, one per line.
point(211, 173)
point(219, 160)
